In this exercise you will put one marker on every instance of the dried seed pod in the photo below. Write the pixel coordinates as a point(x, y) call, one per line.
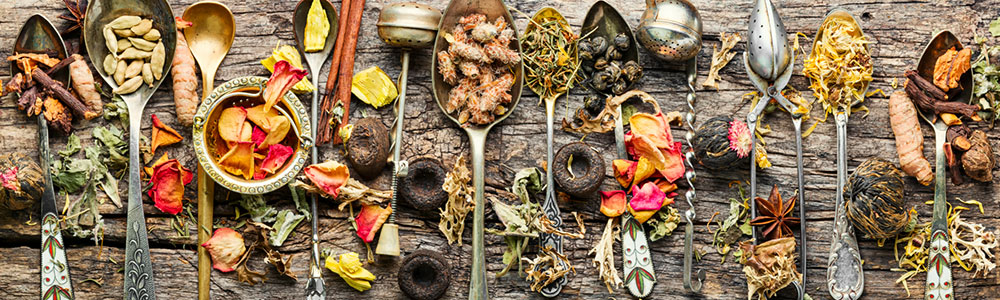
point(722, 143)
point(123, 44)
point(123, 32)
point(133, 68)
point(142, 44)
point(979, 161)
point(368, 147)
point(874, 199)
point(129, 86)
point(156, 61)
point(147, 74)
point(22, 183)
point(110, 40)
point(587, 169)
point(424, 275)
point(110, 64)
point(143, 27)
point(153, 35)
point(133, 53)
point(124, 22)
point(421, 188)
point(120, 72)
point(622, 42)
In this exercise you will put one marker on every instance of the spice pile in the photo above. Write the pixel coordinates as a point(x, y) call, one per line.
point(41, 94)
point(607, 73)
point(135, 49)
point(478, 66)
point(550, 56)
point(770, 266)
point(839, 66)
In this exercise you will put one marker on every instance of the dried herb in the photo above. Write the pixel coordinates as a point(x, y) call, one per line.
point(546, 268)
point(775, 215)
point(460, 201)
point(839, 66)
point(721, 57)
point(663, 224)
point(769, 267)
point(986, 74)
point(604, 256)
point(285, 223)
point(735, 226)
point(477, 67)
point(549, 50)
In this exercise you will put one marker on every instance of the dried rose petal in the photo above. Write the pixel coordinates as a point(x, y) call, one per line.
point(613, 203)
point(158, 162)
point(647, 197)
point(643, 170)
point(167, 186)
point(163, 135)
point(624, 171)
point(231, 123)
point(276, 156)
point(278, 131)
point(257, 136)
point(239, 160)
point(258, 116)
point(226, 247)
point(328, 176)
point(654, 127)
point(674, 164)
point(667, 161)
point(370, 220)
point(284, 77)
point(181, 23)
point(665, 186)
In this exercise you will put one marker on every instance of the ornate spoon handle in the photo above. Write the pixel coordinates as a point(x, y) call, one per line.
point(55, 280)
point(844, 276)
point(139, 284)
point(637, 264)
point(551, 207)
point(939, 281)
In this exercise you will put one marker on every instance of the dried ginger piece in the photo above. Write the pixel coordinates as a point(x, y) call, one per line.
point(769, 267)
point(604, 256)
point(721, 58)
point(460, 201)
point(950, 66)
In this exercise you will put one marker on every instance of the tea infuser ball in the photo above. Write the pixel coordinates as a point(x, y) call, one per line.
point(670, 30)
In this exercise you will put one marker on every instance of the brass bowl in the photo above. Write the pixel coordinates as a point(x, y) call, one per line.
point(246, 91)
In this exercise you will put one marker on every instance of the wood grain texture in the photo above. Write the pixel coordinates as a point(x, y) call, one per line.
point(899, 28)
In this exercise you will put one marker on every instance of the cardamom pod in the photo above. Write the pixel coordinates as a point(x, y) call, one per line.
point(123, 44)
point(142, 44)
point(134, 68)
point(123, 32)
point(110, 64)
point(129, 86)
point(125, 22)
point(133, 53)
point(143, 27)
point(110, 40)
point(152, 35)
point(120, 72)
point(147, 74)
point(156, 61)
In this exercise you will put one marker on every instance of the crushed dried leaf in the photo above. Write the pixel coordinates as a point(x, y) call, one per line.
point(721, 57)
point(460, 201)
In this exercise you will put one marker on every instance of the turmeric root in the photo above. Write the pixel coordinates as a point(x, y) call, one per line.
point(83, 83)
point(185, 81)
point(909, 139)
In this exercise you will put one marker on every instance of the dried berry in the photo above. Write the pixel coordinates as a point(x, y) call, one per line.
point(368, 147)
point(578, 169)
point(421, 187)
point(874, 199)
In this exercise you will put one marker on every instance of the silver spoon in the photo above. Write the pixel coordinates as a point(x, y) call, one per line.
point(315, 60)
point(769, 63)
point(139, 282)
point(671, 30)
point(939, 280)
point(844, 275)
point(37, 35)
point(477, 133)
point(410, 26)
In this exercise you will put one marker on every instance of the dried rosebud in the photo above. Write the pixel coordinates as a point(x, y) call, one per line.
point(226, 247)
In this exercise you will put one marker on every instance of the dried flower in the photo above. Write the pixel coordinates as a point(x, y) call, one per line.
point(769, 267)
point(328, 176)
point(460, 201)
point(284, 77)
point(370, 220)
point(163, 135)
point(226, 247)
point(167, 185)
point(613, 203)
point(350, 269)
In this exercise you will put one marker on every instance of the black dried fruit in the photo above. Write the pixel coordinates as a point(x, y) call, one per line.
point(368, 147)
point(622, 42)
point(421, 187)
point(874, 199)
point(721, 143)
point(588, 170)
point(424, 275)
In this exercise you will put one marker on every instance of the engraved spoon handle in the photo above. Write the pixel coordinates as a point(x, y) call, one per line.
point(844, 276)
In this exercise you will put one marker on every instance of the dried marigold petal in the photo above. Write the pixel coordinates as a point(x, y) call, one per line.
point(284, 77)
point(613, 203)
point(328, 176)
point(239, 160)
point(226, 247)
point(276, 157)
point(370, 220)
point(231, 123)
point(163, 135)
point(624, 171)
point(167, 186)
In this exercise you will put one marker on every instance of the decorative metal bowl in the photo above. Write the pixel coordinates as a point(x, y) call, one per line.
point(246, 92)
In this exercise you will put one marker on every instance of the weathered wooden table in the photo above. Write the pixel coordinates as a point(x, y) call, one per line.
point(899, 28)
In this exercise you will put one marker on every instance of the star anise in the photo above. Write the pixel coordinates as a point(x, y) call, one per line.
point(775, 215)
point(77, 12)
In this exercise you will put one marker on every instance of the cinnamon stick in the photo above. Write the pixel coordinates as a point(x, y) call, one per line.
point(326, 107)
point(56, 89)
point(925, 85)
point(343, 92)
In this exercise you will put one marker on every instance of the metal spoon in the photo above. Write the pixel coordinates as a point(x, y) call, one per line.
point(139, 281)
point(410, 26)
point(769, 63)
point(845, 277)
point(550, 207)
point(939, 280)
point(209, 39)
point(315, 60)
point(37, 35)
point(671, 30)
point(477, 133)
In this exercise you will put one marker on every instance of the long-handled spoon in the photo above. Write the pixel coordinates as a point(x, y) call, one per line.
point(209, 38)
point(844, 276)
point(315, 288)
point(37, 35)
point(477, 133)
point(550, 207)
point(138, 273)
point(939, 280)
point(410, 26)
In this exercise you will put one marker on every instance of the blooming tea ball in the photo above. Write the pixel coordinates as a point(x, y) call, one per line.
point(873, 198)
point(721, 143)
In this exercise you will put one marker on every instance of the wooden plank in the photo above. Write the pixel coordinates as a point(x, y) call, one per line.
point(900, 29)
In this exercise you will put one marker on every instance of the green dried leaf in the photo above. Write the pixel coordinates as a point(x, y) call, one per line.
point(663, 223)
point(110, 187)
point(285, 224)
point(72, 175)
point(257, 207)
point(995, 27)
point(527, 181)
point(72, 146)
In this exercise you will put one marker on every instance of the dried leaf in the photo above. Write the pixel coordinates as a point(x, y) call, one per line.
point(604, 257)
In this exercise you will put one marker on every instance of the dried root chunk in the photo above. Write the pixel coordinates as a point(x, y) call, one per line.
point(973, 245)
point(721, 58)
point(548, 267)
point(460, 201)
point(769, 267)
point(979, 161)
point(949, 67)
point(909, 139)
point(604, 257)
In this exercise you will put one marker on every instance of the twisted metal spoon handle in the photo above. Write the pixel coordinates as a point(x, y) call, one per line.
point(689, 176)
